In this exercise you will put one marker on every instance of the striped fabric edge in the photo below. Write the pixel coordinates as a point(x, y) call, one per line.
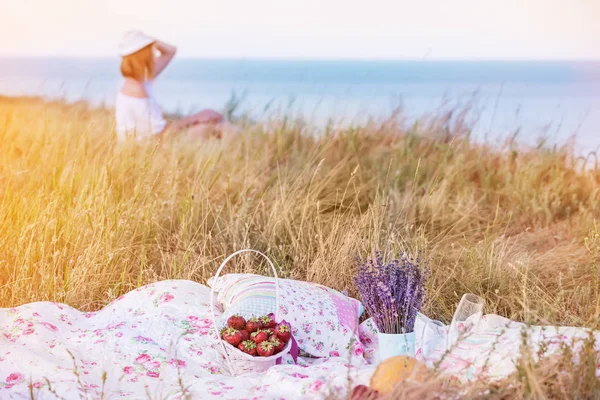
point(246, 288)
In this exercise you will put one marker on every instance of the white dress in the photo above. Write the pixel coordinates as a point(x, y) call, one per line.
point(138, 117)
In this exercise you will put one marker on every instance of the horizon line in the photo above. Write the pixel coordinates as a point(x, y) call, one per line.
point(309, 59)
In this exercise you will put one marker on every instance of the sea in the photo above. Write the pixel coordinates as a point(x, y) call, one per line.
point(550, 102)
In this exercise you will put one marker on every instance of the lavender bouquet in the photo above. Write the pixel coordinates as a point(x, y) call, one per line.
point(392, 293)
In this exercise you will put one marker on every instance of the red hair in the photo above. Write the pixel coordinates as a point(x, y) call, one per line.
point(139, 65)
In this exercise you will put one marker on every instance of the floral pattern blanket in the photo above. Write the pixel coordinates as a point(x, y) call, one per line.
point(152, 343)
point(156, 342)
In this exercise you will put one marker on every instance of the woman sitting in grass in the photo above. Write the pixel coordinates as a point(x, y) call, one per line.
point(137, 111)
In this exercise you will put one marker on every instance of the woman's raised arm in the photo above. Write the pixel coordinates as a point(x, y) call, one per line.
point(167, 52)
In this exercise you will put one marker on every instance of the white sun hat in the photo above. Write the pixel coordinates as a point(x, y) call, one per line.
point(133, 41)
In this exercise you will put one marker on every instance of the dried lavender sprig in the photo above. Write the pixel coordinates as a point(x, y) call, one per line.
point(392, 293)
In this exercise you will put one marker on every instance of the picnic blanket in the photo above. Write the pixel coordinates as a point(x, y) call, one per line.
point(492, 350)
point(155, 342)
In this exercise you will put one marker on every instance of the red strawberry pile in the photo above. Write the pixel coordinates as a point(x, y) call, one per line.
point(259, 337)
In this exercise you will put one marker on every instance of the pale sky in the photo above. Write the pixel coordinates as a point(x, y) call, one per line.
point(321, 29)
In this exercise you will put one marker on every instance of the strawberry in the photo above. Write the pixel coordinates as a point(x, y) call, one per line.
point(232, 336)
point(248, 347)
point(265, 349)
point(283, 332)
point(362, 392)
point(269, 332)
point(236, 322)
point(259, 336)
point(245, 335)
point(273, 337)
point(253, 325)
point(268, 322)
point(277, 343)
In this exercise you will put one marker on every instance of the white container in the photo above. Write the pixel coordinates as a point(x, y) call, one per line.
point(241, 363)
point(396, 344)
point(238, 362)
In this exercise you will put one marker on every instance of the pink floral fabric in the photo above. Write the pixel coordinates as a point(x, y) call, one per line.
point(152, 342)
point(490, 349)
point(323, 321)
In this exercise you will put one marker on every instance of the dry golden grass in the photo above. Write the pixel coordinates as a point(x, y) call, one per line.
point(84, 220)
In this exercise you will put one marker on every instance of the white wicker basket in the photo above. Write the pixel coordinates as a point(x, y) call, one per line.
point(237, 361)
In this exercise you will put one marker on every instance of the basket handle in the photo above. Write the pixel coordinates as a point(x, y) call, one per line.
point(212, 300)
